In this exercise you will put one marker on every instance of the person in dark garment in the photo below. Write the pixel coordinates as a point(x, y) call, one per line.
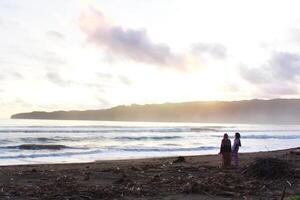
point(225, 151)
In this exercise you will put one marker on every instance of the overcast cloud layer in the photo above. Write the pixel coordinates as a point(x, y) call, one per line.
point(78, 54)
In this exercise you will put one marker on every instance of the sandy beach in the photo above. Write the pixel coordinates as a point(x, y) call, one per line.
point(193, 177)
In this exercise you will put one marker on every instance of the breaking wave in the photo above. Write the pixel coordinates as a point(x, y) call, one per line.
point(65, 154)
point(148, 138)
point(203, 148)
point(281, 137)
point(38, 147)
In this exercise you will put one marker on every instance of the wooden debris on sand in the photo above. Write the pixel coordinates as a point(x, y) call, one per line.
point(268, 168)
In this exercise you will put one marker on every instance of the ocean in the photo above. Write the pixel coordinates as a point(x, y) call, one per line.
point(65, 141)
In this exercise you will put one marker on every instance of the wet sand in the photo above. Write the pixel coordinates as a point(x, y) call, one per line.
point(194, 177)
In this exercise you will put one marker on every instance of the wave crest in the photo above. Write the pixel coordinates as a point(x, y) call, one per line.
point(38, 147)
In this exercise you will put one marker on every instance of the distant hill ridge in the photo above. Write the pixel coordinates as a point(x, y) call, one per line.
point(245, 111)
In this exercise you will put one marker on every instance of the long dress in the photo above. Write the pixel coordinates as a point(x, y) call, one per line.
point(226, 152)
point(235, 152)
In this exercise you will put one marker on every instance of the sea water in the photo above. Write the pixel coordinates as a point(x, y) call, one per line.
point(64, 141)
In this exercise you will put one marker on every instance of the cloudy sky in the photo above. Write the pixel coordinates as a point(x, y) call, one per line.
point(92, 54)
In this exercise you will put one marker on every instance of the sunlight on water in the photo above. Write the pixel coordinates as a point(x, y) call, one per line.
point(51, 141)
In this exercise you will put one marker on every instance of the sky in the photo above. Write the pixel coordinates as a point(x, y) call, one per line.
point(93, 54)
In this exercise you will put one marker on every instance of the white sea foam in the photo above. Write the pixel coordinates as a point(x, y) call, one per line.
point(42, 141)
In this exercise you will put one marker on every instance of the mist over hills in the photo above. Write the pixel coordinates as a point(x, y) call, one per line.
point(285, 111)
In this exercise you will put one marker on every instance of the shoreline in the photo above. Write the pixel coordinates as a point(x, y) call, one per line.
point(137, 159)
point(194, 177)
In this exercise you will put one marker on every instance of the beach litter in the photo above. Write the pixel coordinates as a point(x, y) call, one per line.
point(179, 159)
point(268, 168)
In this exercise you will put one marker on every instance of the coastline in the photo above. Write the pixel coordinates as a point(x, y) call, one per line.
point(197, 177)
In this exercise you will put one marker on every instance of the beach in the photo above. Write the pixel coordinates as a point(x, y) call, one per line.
point(188, 177)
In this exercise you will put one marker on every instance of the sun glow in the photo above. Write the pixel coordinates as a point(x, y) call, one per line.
point(99, 53)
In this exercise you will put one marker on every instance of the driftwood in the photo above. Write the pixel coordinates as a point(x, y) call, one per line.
point(180, 159)
point(268, 168)
point(283, 193)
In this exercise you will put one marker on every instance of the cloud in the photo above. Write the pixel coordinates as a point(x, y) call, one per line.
point(46, 57)
point(133, 44)
point(285, 66)
point(105, 76)
point(280, 89)
point(125, 80)
point(253, 75)
point(55, 35)
point(280, 74)
point(15, 75)
point(215, 50)
point(37, 54)
point(57, 79)
point(8, 73)
point(102, 101)
point(21, 102)
point(98, 86)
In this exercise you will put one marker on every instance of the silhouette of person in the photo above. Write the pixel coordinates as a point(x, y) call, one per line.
point(235, 149)
point(225, 150)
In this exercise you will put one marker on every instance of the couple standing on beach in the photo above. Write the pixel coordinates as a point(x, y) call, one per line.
point(230, 153)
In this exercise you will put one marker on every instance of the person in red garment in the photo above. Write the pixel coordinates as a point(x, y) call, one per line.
point(225, 151)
